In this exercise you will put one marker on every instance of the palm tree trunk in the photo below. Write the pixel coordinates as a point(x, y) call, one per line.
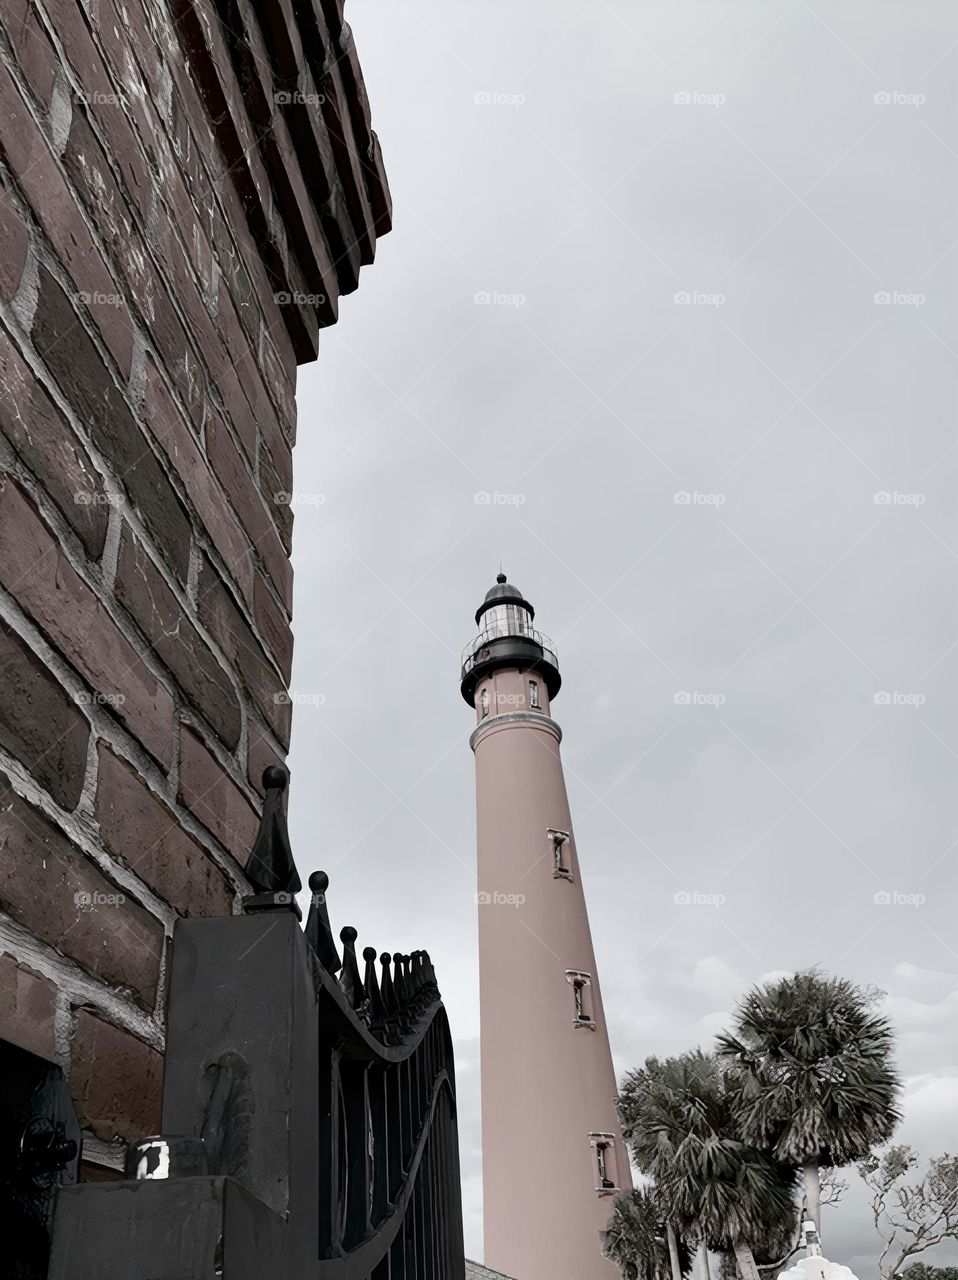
point(704, 1262)
point(673, 1251)
point(813, 1195)
point(746, 1262)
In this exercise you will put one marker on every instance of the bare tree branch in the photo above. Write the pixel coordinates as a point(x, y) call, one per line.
point(912, 1216)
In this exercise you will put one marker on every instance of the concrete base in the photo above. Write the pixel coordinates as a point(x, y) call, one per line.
point(165, 1229)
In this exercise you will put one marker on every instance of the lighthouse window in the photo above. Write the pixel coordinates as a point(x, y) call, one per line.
point(533, 694)
point(484, 702)
point(603, 1144)
point(559, 841)
point(581, 984)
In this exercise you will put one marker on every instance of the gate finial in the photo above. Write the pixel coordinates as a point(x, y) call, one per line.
point(318, 931)
point(377, 1009)
point(350, 981)
point(271, 868)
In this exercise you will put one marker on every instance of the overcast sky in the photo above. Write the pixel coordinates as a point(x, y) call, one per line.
point(718, 247)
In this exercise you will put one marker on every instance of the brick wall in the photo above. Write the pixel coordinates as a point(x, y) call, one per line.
point(186, 188)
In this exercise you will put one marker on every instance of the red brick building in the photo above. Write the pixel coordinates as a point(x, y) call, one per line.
point(186, 188)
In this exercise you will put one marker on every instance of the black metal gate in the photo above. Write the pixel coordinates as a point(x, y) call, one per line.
point(309, 1109)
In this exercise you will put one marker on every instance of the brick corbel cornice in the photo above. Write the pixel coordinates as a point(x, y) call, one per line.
point(284, 94)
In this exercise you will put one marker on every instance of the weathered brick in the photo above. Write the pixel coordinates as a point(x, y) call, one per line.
point(94, 182)
point(113, 90)
point(28, 156)
point(115, 1080)
point(140, 588)
point(92, 177)
point(129, 48)
point(234, 401)
point(237, 246)
point(235, 276)
point(16, 245)
point(46, 445)
point(57, 893)
point(234, 475)
point(188, 375)
point(261, 756)
point(31, 48)
point(224, 621)
point(35, 571)
point(195, 150)
point(39, 723)
point(212, 796)
point(272, 622)
point(131, 166)
point(276, 496)
point(137, 828)
point(279, 374)
point(238, 379)
point(180, 204)
point(336, 110)
point(85, 381)
point(69, 21)
point(169, 428)
point(173, 251)
point(28, 1004)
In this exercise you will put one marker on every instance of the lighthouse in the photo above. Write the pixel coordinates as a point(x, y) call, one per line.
point(552, 1150)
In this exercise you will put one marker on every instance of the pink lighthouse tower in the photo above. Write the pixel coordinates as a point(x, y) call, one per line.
point(552, 1149)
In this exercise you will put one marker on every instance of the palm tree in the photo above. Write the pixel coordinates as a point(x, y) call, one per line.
point(815, 1084)
point(644, 1100)
point(635, 1238)
point(679, 1116)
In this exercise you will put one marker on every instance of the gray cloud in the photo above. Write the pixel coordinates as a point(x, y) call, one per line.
point(538, 155)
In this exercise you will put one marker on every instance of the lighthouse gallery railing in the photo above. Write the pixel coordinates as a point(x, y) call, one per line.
point(472, 654)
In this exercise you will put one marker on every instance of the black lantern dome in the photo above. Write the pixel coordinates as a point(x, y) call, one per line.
point(504, 592)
